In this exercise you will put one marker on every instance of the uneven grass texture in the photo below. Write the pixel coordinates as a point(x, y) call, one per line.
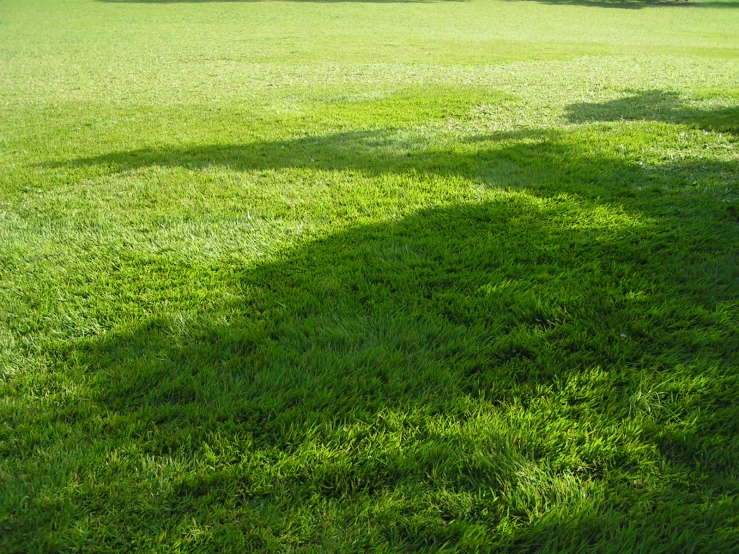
point(369, 276)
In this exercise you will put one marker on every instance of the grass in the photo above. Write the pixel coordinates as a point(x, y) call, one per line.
point(351, 276)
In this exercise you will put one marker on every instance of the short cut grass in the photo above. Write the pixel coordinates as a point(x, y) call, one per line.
point(369, 276)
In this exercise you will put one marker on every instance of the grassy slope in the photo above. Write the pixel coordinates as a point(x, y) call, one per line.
point(337, 276)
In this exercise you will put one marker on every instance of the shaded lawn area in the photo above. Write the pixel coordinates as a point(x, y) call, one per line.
point(540, 369)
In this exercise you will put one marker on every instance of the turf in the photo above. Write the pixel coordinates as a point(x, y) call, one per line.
point(369, 276)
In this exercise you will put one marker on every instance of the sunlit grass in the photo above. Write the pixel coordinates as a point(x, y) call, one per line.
point(351, 276)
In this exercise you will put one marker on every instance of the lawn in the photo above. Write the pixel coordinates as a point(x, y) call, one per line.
point(392, 276)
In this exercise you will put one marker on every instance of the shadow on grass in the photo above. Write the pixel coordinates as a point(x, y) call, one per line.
point(501, 158)
point(637, 4)
point(284, 1)
point(656, 105)
point(550, 366)
point(427, 326)
point(389, 368)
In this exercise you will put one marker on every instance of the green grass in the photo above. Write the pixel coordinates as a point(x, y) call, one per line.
point(369, 276)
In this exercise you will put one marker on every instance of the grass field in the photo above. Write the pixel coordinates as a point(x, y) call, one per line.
point(369, 276)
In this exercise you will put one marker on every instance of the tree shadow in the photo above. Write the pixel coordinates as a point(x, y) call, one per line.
point(284, 1)
point(443, 318)
point(637, 4)
point(529, 159)
point(372, 152)
point(656, 105)
point(428, 316)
